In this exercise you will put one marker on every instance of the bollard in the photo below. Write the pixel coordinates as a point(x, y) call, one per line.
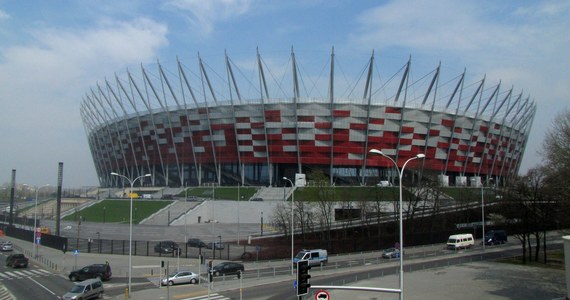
point(126, 293)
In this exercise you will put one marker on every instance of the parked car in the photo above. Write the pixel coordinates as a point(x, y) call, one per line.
point(198, 243)
point(167, 247)
point(215, 245)
point(391, 253)
point(256, 199)
point(227, 268)
point(88, 289)
point(316, 257)
point(495, 237)
point(101, 271)
point(180, 277)
point(460, 241)
point(17, 261)
point(7, 246)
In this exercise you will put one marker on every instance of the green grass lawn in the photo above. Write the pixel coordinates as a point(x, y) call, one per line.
point(117, 211)
point(226, 193)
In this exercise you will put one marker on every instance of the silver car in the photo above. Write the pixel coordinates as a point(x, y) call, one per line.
point(7, 246)
point(180, 277)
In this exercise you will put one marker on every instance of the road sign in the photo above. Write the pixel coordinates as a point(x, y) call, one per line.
point(75, 252)
point(322, 295)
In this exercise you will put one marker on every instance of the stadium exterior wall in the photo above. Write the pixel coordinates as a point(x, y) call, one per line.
point(257, 142)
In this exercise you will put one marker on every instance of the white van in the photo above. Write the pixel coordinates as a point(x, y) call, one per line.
point(459, 241)
point(315, 257)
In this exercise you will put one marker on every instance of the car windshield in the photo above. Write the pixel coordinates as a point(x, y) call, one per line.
point(300, 255)
point(77, 289)
point(173, 274)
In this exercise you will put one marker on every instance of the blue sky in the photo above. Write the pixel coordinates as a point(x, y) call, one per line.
point(53, 52)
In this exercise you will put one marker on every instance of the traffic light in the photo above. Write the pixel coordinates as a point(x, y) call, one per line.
point(303, 277)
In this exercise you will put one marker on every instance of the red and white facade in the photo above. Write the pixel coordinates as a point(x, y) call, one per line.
point(144, 126)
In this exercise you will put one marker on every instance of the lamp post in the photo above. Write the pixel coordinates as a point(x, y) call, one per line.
point(35, 248)
point(132, 182)
point(292, 224)
point(220, 246)
point(238, 199)
point(483, 213)
point(400, 174)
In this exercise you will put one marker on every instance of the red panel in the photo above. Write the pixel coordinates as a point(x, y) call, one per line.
point(356, 126)
point(273, 116)
point(242, 120)
point(377, 121)
point(433, 132)
point(323, 125)
point(458, 130)
point(257, 125)
point(447, 122)
point(407, 129)
point(341, 113)
point(322, 137)
point(393, 110)
point(244, 131)
point(306, 118)
point(288, 130)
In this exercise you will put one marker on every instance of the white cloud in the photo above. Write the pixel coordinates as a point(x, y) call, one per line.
point(4, 15)
point(524, 46)
point(206, 14)
point(45, 79)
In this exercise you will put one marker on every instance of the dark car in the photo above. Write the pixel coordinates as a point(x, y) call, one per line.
point(17, 261)
point(101, 271)
point(495, 237)
point(167, 247)
point(198, 243)
point(227, 268)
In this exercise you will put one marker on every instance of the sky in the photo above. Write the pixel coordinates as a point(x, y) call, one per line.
point(53, 52)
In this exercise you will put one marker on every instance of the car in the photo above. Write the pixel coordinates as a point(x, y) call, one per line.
point(391, 253)
point(17, 260)
point(167, 247)
point(180, 277)
point(256, 199)
point(227, 268)
point(101, 271)
point(7, 246)
point(88, 289)
point(198, 243)
point(215, 245)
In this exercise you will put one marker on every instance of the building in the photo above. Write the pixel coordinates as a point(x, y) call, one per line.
point(198, 127)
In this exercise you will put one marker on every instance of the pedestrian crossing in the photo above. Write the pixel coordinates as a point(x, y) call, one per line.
point(213, 296)
point(8, 275)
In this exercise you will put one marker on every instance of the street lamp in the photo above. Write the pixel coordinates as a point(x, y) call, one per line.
point(400, 174)
point(483, 212)
point(132, 182)
point(292, 224)
point(220, 245)
point(36, 220)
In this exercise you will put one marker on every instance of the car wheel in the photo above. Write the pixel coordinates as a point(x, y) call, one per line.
point(100, 295)
point(170, 283)
point(217, 273)
point(98, 277)
point(193, 281)
point(73, 278)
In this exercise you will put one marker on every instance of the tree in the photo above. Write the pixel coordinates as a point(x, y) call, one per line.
point(556, 167)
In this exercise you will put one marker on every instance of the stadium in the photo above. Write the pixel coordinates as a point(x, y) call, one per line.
point(254, 124)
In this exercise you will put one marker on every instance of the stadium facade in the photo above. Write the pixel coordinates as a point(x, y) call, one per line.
point(194, 128)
